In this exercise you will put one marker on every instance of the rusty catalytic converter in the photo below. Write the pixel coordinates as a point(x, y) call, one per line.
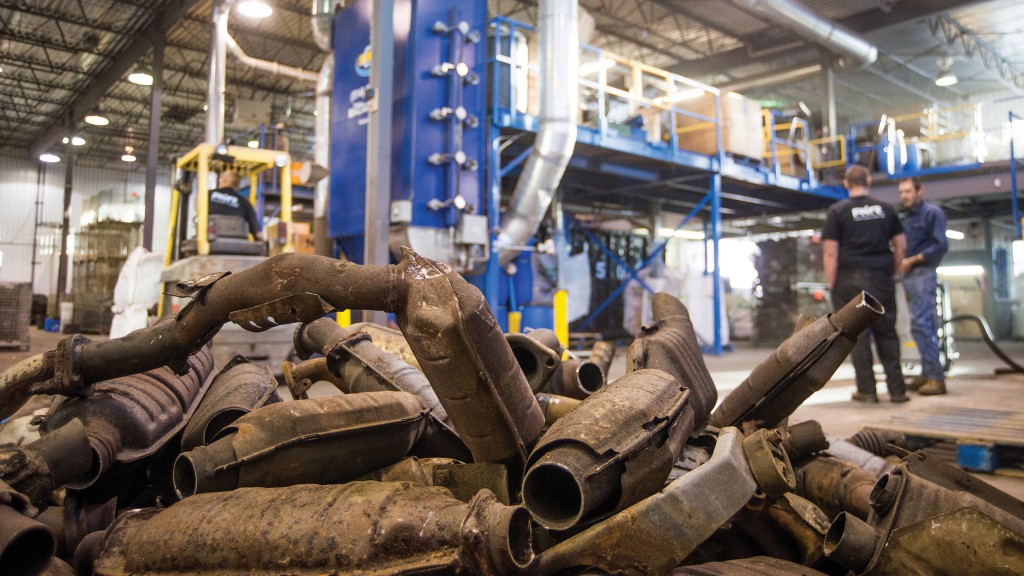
point(799, 367)
point(239, 388)
point(366, 528)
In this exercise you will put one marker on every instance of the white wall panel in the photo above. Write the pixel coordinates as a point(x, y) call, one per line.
point(19, 188)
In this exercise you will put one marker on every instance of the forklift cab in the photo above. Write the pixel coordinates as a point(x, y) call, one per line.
point(222, 234)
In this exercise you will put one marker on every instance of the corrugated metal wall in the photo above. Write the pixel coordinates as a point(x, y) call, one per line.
point(19, 189)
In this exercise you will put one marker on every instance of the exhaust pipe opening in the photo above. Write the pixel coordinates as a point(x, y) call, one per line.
point(527, 361)
point(184, 477)
point(590, 377)
point(851, 542)
point(219, 422)
point(26, 546)
point(519, 540)
point(96, 469)
point(553, 495)
point(196, 471)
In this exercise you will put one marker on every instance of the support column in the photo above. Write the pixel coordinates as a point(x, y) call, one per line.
point(716, 276)
point(378, 142)
point(828, 97)
point(62, 266)
point(153, 152)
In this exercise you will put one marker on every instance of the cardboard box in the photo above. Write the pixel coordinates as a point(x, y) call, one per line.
point(742, 133)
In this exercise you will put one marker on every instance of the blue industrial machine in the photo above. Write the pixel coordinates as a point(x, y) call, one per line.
point(438, 138)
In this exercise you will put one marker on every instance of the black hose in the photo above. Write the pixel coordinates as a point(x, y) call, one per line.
point(986, 333)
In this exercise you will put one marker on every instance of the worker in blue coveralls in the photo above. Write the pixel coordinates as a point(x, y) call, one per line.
point(925, 228)
point(226, 201)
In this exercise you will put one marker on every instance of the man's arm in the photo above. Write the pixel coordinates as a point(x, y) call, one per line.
point(937, 243)
point(899, 249)
point(830, 257)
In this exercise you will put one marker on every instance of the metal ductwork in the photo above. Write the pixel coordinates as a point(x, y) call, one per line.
point(556, 131)
point(218, 64)
point(275, 68)
point(323, 18)
point(855, 50)
point(322, 24)
point(773, 78)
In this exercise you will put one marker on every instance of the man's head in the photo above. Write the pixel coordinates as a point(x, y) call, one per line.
point(911, 192)
point(857, 179)
point(229, 179)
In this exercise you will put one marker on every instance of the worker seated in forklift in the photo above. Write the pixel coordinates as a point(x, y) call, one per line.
point(230, 221)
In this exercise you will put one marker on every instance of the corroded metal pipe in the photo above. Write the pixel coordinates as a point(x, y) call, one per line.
point(931, 518)
point(602, 354)
point(576, 379)
point(26, 546)
point(799, 367)
point(803, 439)
point(356, 528)
point(238, 389)
point(329, 439)
point(299, 378)
point(615, 449)
point(39, 468)
point(755, 566)
point(835, 486)
point(131, 417)
point(655, 535)
point(555, 406)
point(445, 319)
point(669, 343)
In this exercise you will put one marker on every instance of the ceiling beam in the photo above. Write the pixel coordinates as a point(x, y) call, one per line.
point(172, 13)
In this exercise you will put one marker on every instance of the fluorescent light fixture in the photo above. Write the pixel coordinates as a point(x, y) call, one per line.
point(127, 157)
point(955, 235)
point(49, 158)
point(141, 76)
point(688, 94)
point(97, 120)
point(969, 270)
point(253, 143)
point(75, 141)
point(686, 234)
point(588, 68)
point(255, 9)
point(804, 108)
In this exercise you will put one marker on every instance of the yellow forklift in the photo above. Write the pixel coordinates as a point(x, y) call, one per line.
point(222, 243)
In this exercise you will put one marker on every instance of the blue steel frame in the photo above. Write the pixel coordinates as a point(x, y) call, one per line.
point(1013, 174)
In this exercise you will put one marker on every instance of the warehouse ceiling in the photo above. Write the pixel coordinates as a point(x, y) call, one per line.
point(62, 59)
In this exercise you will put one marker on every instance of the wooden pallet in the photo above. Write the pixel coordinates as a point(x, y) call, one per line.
point(986, 440)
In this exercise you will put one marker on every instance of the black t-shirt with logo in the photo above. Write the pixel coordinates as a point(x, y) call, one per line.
point(863, 227)
point(227, 202)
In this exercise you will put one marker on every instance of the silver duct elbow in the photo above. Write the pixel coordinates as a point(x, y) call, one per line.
point(322, 153)
point(556, 132)
point(322, 18)
point(274, 68)
point(800, 19)
point(217, 83)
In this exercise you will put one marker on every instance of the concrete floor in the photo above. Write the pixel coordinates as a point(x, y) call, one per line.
point(971, 383)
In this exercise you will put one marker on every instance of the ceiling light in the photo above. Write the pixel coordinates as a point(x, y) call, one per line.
point(688, 94)
point(255, 9)
point(946, 76)
point(969, 270)
point(129, 154)
point(142, 76)
point(804, 108)
point(49, 158)
point(253, 144)
point(955, 234)
point(75, 141)
point(97, 120)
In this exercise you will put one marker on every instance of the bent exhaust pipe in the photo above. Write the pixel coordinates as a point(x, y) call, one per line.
point(39, 468)
point(355, 528)
point(445, 319)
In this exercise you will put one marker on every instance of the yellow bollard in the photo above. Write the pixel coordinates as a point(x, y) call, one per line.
point(344, 318)
point(561, 305)
point(515, 322)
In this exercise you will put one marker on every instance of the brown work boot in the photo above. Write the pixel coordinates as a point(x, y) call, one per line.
point(861, 397)
point(932, 387)
point(916, 382)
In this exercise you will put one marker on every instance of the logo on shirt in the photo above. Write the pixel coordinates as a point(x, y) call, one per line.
point(872, 212)
point(225, 199)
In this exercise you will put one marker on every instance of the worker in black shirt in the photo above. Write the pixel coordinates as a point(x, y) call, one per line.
point(226, 201)
point(863, 246)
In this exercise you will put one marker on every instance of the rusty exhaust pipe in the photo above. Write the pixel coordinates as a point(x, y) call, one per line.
point(669, 343)
point(26, 546)
point(586, 466)
point(555, 406)
point(330, 439)
point(237, 390)
point(132, 417)
point(355, 528)
point(799, 367)
point(835, 486)
point(602, 354)
point(39, 468)
point(577, 379)
point(445, 319)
